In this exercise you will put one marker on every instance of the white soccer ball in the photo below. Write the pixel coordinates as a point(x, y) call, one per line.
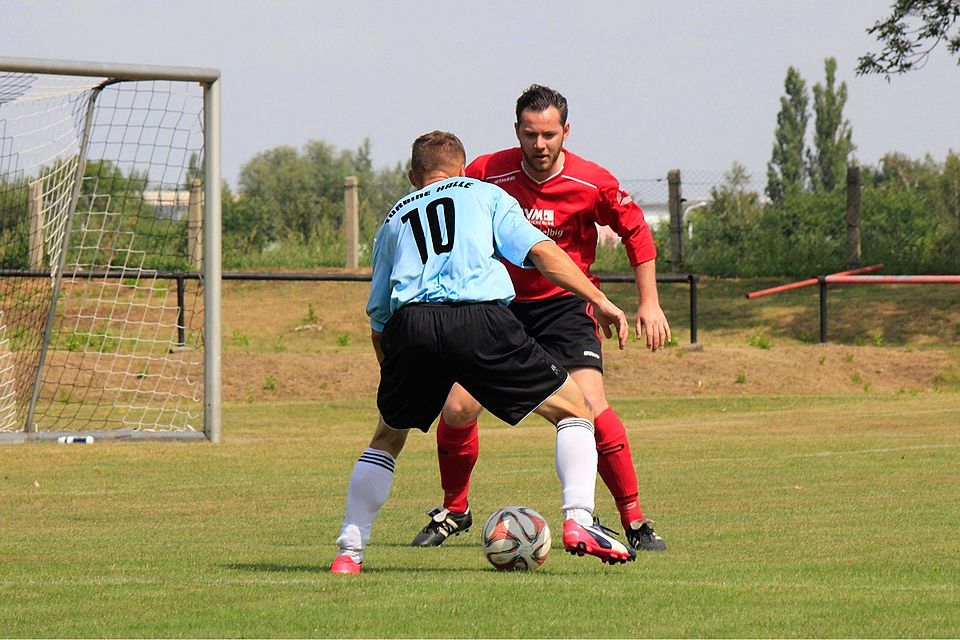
point(516, 539)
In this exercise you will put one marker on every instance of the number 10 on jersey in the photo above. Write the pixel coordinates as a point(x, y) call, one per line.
point(437, 234)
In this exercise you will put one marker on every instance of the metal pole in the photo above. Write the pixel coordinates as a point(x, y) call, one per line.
point(693, 308)
point(181, 314)
point(810, 281)
point(822, 280)
point(211, 263)
point(109, 70)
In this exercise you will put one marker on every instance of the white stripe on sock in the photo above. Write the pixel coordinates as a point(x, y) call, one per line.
point(369, 487)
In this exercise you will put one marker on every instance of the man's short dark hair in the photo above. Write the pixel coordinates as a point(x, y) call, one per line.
point(539, 98)
point(436, 150)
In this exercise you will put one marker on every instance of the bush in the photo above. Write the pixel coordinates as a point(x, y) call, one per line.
point(910, 222)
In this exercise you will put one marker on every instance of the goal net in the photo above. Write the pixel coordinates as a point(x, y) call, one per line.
point(109, 265)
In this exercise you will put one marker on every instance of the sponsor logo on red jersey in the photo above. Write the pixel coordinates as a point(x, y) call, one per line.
point(540, 217)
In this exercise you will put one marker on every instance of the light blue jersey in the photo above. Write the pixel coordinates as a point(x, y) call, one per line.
point(442, 244)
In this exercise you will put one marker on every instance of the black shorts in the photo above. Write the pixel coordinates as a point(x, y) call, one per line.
point(565, 327)
point(428, 347)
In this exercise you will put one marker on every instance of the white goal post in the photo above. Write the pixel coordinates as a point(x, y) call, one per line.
point(110, 268)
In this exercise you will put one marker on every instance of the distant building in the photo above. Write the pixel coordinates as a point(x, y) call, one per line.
point(653, 212)
point(170, 204)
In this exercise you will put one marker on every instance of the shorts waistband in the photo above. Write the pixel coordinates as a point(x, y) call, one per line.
point(429, 305)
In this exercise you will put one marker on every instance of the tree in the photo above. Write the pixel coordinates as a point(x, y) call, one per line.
point(785, 171)
point(832, 139)
point(287, 193)
point(279, 181)
point(724, 229)
point(910, 33)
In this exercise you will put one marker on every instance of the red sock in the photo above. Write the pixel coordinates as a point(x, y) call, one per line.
point(615, 465)
point(457, 451)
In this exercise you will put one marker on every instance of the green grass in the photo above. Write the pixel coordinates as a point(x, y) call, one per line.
point(785, 516)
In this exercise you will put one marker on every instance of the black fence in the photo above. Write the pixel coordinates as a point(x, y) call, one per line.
point(181, 278)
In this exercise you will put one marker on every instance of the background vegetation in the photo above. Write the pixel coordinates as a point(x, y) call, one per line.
point(910, 223)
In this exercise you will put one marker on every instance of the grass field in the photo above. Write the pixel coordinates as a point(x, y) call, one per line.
point(824, 516)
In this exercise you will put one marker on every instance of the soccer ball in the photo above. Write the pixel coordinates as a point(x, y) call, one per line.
point(516, 539)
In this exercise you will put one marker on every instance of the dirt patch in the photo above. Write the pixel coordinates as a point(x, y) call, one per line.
point(725, 370)
point(721, 370)
point(269, 354)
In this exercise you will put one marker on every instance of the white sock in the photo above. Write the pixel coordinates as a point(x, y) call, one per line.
point(369, 487)
point(576, 460)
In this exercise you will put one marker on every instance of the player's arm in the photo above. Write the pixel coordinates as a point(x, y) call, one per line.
point(518, 241)
point(554, 263)
point(651, 320)
point(375, 339)
point(618, 210)
point(378, 304)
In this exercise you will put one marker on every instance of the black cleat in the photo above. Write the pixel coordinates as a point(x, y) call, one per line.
point(442, 523)
point(641, 536)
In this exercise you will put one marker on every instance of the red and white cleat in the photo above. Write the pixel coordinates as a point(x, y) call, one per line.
point(594, 541)
point(343, 563)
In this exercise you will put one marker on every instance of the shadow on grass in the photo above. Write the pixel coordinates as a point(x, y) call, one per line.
point(274, 567)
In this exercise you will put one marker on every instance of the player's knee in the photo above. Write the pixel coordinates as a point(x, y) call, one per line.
point(389, 440)
point(564, 405)
point(582, 411)
point(458, 412)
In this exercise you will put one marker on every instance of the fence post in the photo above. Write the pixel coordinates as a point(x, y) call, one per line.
point(822, 281)
point(195, 224)
point(676, 219)
point(181, 312)
point(692, 279)
point(36, 225)
point(853, 216)
point(351, 222)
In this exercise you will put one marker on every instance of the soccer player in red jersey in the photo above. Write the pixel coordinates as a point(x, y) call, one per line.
point(565, 196)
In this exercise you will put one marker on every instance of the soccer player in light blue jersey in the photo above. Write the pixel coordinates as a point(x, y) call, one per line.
point(438, 315)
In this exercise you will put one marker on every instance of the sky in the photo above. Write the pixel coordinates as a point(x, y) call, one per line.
point(652, 86)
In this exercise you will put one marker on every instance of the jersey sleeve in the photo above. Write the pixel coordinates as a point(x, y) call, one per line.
point(378, 304)
point(513, 235)
point(478, 168)
point(617, 210)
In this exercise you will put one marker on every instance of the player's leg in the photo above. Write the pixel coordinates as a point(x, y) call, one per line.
point(615, 462)
point(576, 465)
point(369, 487)
point(512, 376)
point(458, 447)
point(413, 386)
point(566, 329)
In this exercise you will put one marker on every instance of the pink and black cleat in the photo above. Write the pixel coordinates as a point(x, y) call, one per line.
point(593, 540)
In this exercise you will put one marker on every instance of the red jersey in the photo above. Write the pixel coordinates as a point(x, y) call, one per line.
point(567, 207)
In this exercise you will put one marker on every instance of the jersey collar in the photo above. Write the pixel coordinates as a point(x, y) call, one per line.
point(548, 178)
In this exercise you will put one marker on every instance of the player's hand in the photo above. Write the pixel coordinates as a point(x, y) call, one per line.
point(610, 317)
point(652, 323)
